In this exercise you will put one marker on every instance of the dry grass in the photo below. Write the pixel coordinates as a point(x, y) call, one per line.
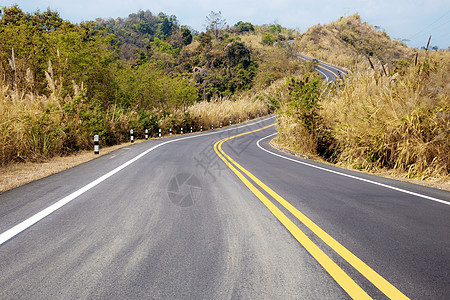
point(18, 174)
point(346, 41)
point(225, 109)
point(274, 62)
point(437, 183)
point(398, 122)
point(20, 113)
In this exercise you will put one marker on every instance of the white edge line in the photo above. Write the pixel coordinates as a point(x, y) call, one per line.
point(15, 230)
point(328, 79)
point(350, 176)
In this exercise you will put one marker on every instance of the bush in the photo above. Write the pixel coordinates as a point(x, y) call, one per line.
point(267, 39)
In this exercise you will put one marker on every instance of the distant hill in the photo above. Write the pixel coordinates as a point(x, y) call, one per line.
point(138, 30)
point(349, 40)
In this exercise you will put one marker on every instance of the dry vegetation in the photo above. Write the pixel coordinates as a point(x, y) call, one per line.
point(392, 113)
point(400, 122)
point(348, 41)
point(225, 110)
point(372, 122)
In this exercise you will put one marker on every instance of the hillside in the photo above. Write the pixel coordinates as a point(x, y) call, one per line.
point(391, 114)
point(135, 32)
point(61, 83)
point(348, 41)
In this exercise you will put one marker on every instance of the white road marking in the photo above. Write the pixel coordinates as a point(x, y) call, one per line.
point(350, 176)
point(328, 78)
point(12, 232)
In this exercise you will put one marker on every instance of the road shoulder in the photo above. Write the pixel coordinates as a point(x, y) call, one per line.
point(442, 184)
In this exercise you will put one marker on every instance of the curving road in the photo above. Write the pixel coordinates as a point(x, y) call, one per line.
point(221, 215)
point(329, 72)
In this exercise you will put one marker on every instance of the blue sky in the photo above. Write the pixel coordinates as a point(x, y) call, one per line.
point(404, 19)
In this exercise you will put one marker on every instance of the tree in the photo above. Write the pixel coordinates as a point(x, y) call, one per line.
point(186, 35)
point(245, 26)
point(267, 38)
point(215, 23)
point(274, 28)
point(237, 53)
point(205, 40)
point(166, 25)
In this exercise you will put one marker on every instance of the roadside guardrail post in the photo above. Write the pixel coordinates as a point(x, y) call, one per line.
point(96, 144)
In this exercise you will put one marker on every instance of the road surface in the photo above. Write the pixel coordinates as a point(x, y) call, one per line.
point(202, 216)
point(329, 72)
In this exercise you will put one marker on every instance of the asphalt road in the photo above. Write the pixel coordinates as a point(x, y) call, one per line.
point(178, 223)
point(329, 72)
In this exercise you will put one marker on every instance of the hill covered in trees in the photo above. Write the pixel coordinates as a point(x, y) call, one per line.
point(61, 83)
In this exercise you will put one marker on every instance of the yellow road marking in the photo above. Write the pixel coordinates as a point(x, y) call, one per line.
point(337, 76)
point(382, 284)
point(323, 68)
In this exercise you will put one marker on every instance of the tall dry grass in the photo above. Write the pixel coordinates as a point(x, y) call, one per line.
point(224, 110)
point(37, 127)
point(28, 126)
point(346, 41)
point(399, 122)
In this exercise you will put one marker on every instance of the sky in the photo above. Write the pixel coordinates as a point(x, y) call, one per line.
point(412, 20)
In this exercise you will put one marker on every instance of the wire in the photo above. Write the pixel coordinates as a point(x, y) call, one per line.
point(425, 28)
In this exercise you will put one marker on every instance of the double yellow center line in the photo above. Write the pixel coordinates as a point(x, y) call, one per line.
point(342, 278)
point(322, 67)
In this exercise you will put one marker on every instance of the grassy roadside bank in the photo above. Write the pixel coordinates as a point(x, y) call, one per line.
point(16, 174)
point(379, 121)
point(441, 183)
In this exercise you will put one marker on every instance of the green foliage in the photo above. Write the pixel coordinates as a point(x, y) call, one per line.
point(303, 100)
point(136, 31)
point(237, 53)
point(401, 67)
point(205, 40)
point(165, 25)
point(163, 47)
point(267, 38)
point(150, 88)
point(186, 35)
point(275, 28)
point(244, 26)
